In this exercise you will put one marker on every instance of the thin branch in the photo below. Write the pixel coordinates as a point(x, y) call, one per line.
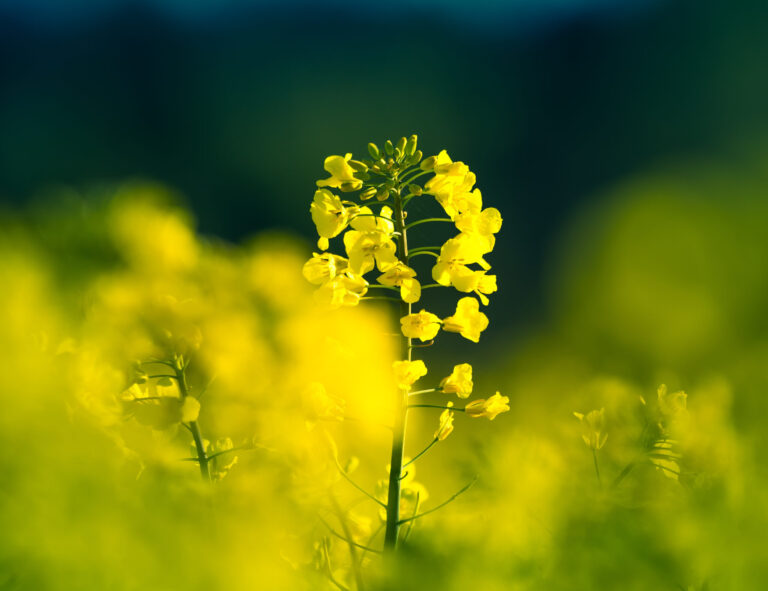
point(456, 408)
point(441, 505)
point(597, 469)
point(353, 483)
point(328, 566)
point(370, 541)
point(415, 510)
point(421, 252)
point(351, 542)
point(424, 391)
point(426, 221)
point(422, 452)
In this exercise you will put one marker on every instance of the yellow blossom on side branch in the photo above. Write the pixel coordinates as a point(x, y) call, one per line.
point(407, 372)
point(468, 320)
point(459, 382)
point(423, 326)
point(491, 408)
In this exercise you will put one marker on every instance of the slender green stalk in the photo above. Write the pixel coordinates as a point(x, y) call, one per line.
point(424, 391)
point(443, 504)
point(406, 181)
point(597, 468)
point(456, 408)
point(401, 403)
point(421, 453)
point(427, 220)
point(423, 252)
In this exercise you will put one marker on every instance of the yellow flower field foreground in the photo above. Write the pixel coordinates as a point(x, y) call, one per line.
point(183, 413)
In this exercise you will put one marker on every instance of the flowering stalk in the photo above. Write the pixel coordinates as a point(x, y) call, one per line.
point(379, 242)
point(401, 399)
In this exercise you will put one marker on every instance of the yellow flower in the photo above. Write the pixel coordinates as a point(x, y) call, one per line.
point(594, 427)
point(466, 280)
point(423, 326)
point(672, 404)
point(343, 290)
point(370, 242)
point(404, 277)
point(322, 267)
point(445, 428)
point(451, 185)
point(342, 174)
point(455, 256)
point(485, 223)
point(459, 382)
point(490, 408)
point(319, 405)
point(407, 372)
point(364, 220)
point(468, 320)
point(330, 216)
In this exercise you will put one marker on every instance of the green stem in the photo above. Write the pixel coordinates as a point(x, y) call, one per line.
point(421, 453)
point(443, 504)
point(597, 468)
point(427, 220)
point(401, 402)
point(424, 391)
point(456, 408)
point(422, 252)
point(414, 177)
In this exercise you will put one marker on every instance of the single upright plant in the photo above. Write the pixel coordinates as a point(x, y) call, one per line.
point(372, 214)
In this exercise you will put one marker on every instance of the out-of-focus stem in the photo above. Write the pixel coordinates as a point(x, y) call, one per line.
point(194, 428)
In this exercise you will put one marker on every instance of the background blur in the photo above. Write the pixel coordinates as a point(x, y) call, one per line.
point(236, 103)
point(624, 143)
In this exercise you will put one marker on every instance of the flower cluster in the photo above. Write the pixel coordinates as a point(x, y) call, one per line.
point(365, 203)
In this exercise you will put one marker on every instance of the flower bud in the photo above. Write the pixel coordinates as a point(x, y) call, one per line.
point(429, 163)
point(415, 190)
point(368, 193)
point(357, 166)
point(410, 146)
point(415, 158)
point(349, 187)
point(389, 148)
point(373, 150)
point(398, 155)
point(401, 144)
point(382, 194)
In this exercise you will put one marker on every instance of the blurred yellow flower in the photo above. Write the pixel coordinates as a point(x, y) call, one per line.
point(459, 382)
point(467, 320)
point(671, 404)
point(594, 428)
point(407, 372)
point(319, 405)
point(491, 408)
point(343, 290)
point(423, 326)
point(342, 174)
